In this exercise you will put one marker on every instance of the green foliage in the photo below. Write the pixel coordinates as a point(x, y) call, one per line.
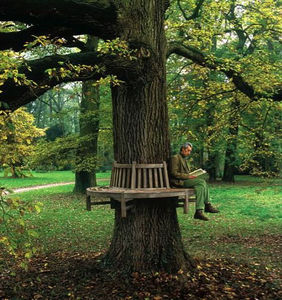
point(105, 137)
point(68, 70)
point(58, 108)
point(17, 233)
point(261, 156)
point(204, 104)
point(116, 47)
point(10, 61)
point(61, 154)
point(55, 155)
point(17, 135)
point(9, 64)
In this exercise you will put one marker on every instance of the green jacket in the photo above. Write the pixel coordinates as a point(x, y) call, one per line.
point(178, 170)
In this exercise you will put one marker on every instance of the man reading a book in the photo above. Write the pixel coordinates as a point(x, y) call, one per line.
point(180, 176)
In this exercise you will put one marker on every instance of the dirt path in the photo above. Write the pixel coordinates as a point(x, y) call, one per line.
point(37, 187)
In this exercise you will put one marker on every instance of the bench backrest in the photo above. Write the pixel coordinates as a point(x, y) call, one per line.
point(139, 176)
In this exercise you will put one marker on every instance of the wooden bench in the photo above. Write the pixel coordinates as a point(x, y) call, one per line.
point(138, 181)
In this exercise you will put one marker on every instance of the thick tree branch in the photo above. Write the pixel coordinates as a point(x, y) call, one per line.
point(199, 58)
point(188, 52)
point(17, 95)
point(71, 41)
point(79, 17)
point(17, 40)
point(195, 13)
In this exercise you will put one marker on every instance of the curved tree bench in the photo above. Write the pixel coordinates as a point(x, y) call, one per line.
point(137, 181)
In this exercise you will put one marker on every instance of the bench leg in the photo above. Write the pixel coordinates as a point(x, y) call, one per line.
point(113, 203)
point(88, 202)
point(186, 203)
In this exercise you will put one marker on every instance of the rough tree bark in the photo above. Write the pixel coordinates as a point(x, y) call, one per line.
point(149, 238)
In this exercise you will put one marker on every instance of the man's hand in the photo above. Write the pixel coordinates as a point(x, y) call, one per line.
point(192, 177)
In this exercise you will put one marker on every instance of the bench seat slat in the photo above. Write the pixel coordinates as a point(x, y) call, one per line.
point(139, 178)
point(145, 178)
point(137, 181)
point(133, 175)
point(123, 177)
point(161, 177)
point(128, 177)
point(166, 175)
point(156, 178)
point(118, 165)
point(150, 178)
point(119, 177)
point(149, 166)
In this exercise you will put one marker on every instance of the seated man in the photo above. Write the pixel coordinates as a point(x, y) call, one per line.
point(179, 177)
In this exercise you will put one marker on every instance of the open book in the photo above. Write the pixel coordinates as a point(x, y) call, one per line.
point(198, 172)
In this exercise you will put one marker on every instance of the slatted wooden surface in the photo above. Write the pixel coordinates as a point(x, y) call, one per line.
point(141, 176)
point(133, 181)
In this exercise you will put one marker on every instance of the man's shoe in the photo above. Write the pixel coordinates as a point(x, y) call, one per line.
point(210, 209)
point(199, 215)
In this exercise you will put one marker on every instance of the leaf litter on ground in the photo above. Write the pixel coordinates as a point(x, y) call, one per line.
point(64, 275)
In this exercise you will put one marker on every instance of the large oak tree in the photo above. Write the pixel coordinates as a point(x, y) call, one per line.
point(149, 238)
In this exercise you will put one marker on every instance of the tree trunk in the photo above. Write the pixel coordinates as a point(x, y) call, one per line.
point(231, 149)
point(14, 172)
point(84, 180)
point(229, 166)
point(211, 166)
point(86, 155)
point(149, 237)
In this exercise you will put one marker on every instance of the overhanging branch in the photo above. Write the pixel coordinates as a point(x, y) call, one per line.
point(199, 58)
point(17, 40)
point(98, 18)
point(195, 13)
point(17, 95)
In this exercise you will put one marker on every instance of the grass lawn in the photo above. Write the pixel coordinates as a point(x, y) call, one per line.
point(238, 250)
point(41, 178)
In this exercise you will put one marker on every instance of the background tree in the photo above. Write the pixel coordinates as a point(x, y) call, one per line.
point(137, 55)
point(86, 155)
point(239, 42)
point(57, 150)
point(17, 134)
point(58, 110)
point(260, 127)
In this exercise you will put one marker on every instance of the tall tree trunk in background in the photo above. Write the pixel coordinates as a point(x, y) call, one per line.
point(149, 237)
point(211, 166)
point(86, 154)
point(210, 163)
point(231, 149)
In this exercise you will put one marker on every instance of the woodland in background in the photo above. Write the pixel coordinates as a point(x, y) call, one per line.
point(233, 133)
point(210, 68)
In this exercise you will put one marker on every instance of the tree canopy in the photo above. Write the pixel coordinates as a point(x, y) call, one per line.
point(17, 134)
point(222, 42)
point(244, 31)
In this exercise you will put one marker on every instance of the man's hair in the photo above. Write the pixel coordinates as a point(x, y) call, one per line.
point(186, 145)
